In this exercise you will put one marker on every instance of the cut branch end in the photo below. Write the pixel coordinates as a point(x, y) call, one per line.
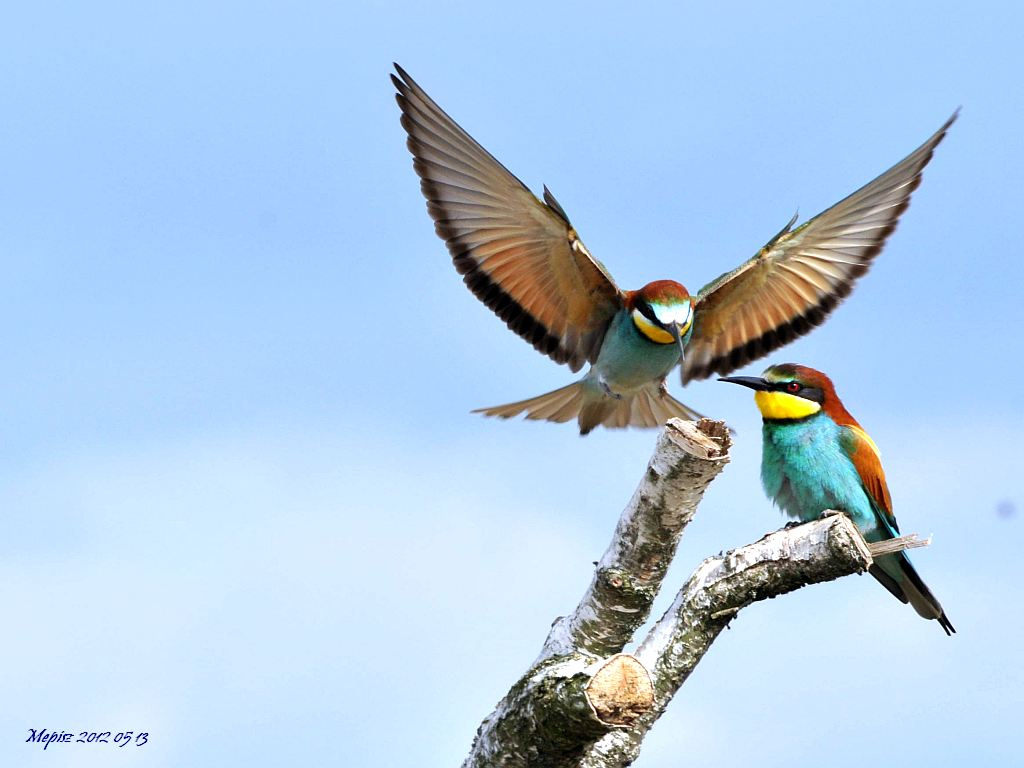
point(621, 691)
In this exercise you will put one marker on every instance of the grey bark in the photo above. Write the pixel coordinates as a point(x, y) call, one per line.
point(687, 457)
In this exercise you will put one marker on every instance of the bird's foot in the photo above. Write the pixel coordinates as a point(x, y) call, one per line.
point(609, 393)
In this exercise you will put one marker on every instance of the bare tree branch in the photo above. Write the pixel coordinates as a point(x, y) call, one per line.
point(576, 706)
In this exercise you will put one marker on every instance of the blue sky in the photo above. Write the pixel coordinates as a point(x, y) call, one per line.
point(246, 508)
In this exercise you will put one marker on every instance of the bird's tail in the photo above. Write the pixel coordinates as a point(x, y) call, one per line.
point(897, 574)
point(587, 402)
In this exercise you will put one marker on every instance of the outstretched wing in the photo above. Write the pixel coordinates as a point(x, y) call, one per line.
point(521, 257)
point(800, 276)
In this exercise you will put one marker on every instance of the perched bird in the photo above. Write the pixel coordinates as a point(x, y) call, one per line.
point(817, 457)
point(524, 260)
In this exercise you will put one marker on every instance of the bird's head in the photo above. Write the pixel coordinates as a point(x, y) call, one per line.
point(663, 312)
point(787, 392)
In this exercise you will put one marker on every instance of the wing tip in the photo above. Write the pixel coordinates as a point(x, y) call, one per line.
point(406, 78)
point(946, 625)
point(950, 120)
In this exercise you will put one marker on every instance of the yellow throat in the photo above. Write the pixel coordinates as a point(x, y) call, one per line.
point(655, 333)
point(782, 405)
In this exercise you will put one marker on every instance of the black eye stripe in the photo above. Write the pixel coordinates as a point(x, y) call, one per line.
point(646, 311)
point(807, 393)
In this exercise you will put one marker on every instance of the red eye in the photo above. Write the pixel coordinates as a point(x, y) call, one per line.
point(793, 387)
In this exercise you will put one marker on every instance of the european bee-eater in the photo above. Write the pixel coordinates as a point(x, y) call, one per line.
point(523, 259)
point(817, 457)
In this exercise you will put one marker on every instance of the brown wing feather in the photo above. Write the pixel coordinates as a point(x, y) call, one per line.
point(866, 460)
point(518, 255)
point(800, 276)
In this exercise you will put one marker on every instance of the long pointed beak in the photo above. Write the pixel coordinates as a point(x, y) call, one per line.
point(677, 333)
point(753, 382)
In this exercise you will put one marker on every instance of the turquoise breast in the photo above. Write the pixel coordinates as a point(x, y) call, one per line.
point(805, 471)
point(628, 360)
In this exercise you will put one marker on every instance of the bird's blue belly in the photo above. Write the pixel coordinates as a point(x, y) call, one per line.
point(805, 471)
point(629, 361)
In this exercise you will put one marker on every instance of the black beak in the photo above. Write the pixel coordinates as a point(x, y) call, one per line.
point(675, 330)
point(749, 381)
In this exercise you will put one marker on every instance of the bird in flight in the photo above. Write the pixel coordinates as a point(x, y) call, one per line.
point(522, 257)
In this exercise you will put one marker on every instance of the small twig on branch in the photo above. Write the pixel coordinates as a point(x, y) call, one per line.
point(891, 546)
point(888, 546)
